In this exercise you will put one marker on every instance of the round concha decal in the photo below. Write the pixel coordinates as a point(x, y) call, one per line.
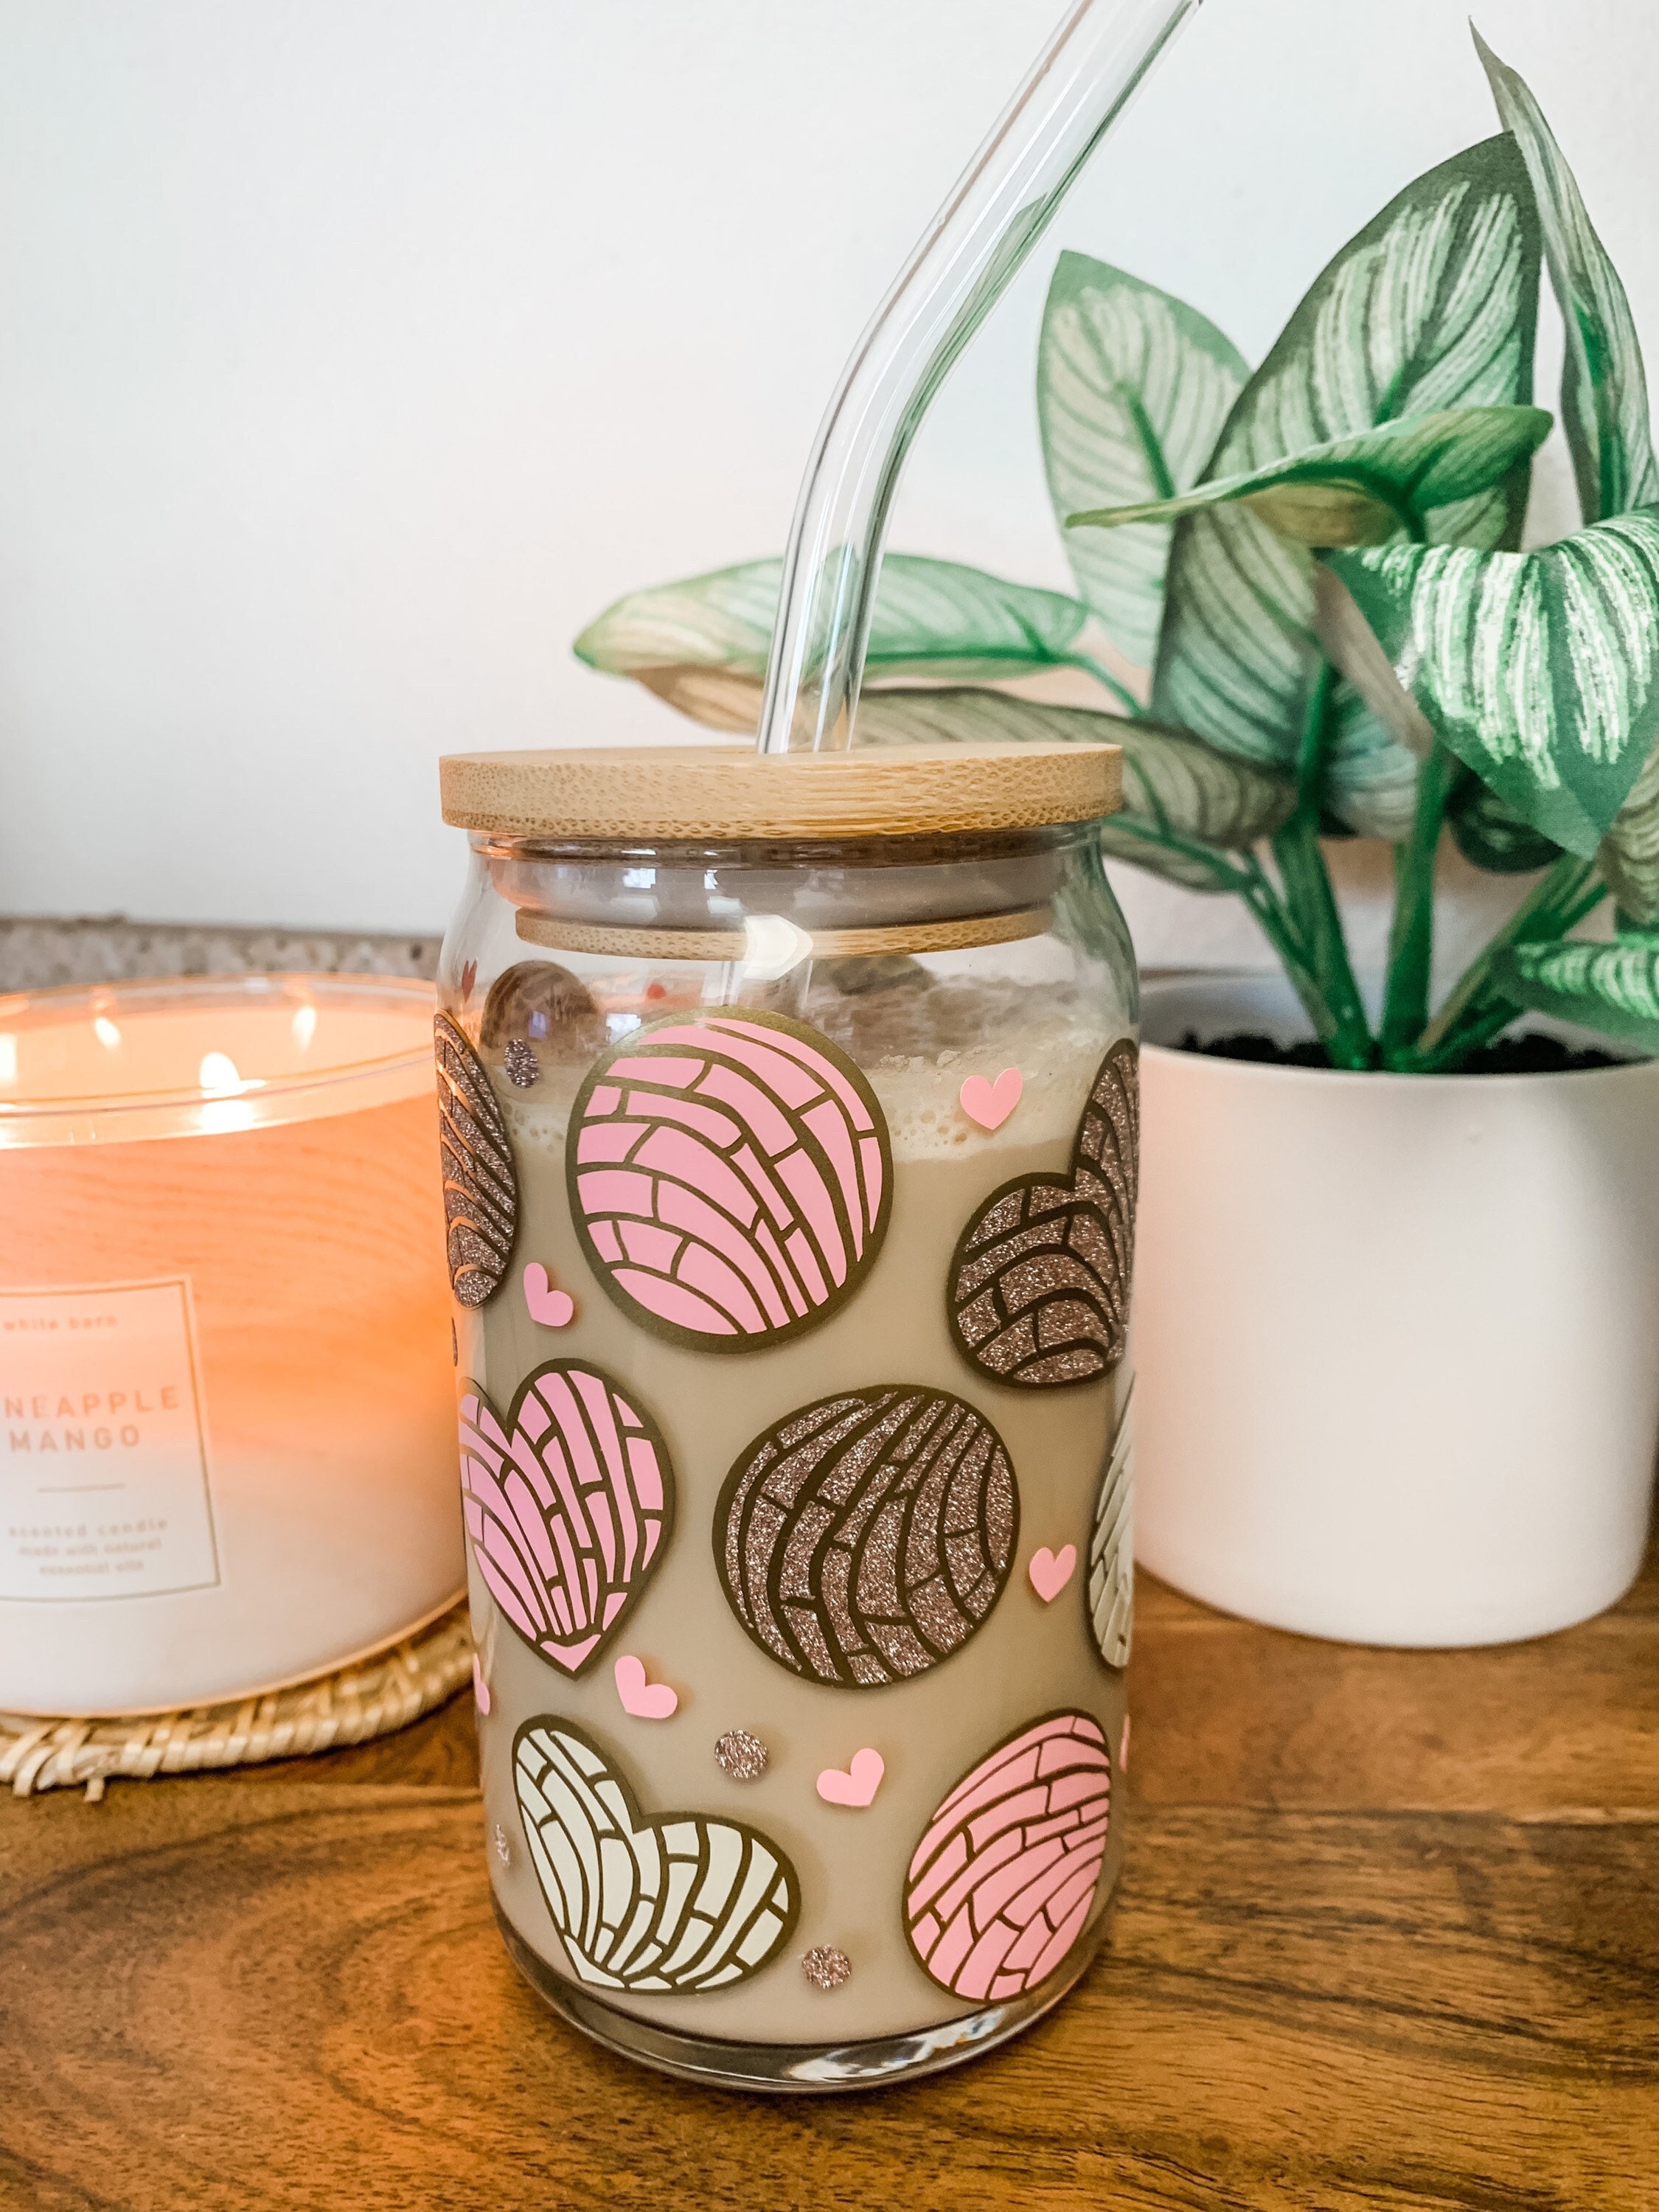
point(481, 1188)
point(1039, 1282)
point(671, 1901)
point(1002, 1884)
point(568, 1504)
point(730, 1178)
point(865, 1538)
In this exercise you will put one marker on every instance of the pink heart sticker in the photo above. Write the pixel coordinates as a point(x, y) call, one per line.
point(552, 1308)
point(1050, 1572)
point(647, 1701)
point(480, 1688)
point(858, 1785)
point(991, 1103)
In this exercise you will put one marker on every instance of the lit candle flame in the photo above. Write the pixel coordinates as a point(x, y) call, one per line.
point(305, 1026)
point(218, 1073)
point(106, 1031)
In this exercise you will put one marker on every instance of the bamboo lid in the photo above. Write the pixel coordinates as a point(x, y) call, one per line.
point(731, 790)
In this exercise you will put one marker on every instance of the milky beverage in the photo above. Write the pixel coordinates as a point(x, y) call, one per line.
point(848, 1870)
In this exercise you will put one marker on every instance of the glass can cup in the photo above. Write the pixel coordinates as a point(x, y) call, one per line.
point(790, 1113)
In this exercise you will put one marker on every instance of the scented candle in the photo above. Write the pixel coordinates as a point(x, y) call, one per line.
point(790, 1180)
point(226, 1455)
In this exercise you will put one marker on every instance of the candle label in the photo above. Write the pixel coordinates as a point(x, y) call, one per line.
point(104, 1485)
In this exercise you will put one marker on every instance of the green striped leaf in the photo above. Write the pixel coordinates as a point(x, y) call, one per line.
point(1610, 987)
point(1365, 490)
point(1629, 858)
point(1132, 388)
point(1492, 835)
point(1183, 802)
point(932, 617)
point(1604, 391)
point(1431, 307)
point(1539, 671)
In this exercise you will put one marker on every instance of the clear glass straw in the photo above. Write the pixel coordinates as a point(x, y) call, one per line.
point(1080, 85)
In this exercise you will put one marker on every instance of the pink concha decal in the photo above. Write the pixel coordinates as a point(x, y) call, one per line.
point(1003, 1882)
point(730, 1177)
point(567, 1503)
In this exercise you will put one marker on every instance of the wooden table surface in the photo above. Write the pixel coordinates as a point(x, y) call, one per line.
point(1387, 1938)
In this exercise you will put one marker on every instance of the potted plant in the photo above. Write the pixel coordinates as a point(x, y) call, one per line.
point(1397, 1299)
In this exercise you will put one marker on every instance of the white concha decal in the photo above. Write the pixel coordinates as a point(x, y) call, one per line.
point(1111, 1548)
point(672, 1901)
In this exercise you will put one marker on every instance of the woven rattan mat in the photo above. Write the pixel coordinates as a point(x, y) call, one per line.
point(351, 1705)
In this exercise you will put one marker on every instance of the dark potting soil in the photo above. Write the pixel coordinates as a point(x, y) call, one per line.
point(1520, 1055)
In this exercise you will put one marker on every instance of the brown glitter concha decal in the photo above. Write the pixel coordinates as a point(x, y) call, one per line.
point(481, 1187)
point(865, 1537)
point(1039, 1285)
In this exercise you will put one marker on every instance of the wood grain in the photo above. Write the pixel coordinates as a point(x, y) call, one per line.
point(1387, 1941)
point(722, 791)
point(305, 1992)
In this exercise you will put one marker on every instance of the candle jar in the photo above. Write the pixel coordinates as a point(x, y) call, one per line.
point(227, 1452)
point(789, 1149)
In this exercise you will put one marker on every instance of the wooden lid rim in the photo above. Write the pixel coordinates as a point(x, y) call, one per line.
point(715, 791)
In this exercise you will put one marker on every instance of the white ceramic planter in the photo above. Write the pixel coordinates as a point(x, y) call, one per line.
point(1397, 1337)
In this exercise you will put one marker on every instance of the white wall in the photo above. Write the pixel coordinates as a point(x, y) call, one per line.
point(354, 352)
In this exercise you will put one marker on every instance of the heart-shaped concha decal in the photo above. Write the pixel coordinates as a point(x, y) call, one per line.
point(1111, 1548)
point(481, 1188)
point(567, 1505)
point(730, 1178)
point(1039, 1287)
point(669, 1901)
point(1001, 1884)
point(864, 1538)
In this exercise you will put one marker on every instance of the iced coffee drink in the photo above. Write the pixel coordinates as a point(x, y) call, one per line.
point(792, 1303)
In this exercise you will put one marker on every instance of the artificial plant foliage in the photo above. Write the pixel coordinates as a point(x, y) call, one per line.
point(1539, 671)
point(1188, 810)
point(1604, 392)
point(1365, 489)
point(1133, 388)
point(1431, 307)
point(935, 618)
point(1303, 607)
point(1610, 987)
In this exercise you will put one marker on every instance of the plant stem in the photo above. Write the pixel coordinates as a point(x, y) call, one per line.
point(1308, 890)
point(1104, 678)
point(1411, 938)
point(1243, 874)
point(1475, 1012)
point(1276, 925)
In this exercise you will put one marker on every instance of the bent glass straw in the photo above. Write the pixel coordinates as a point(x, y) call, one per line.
point(1080, 86)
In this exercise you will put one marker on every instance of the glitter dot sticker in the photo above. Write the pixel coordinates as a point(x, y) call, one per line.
point(730, 1178)
point(739, 1756)
point(826, 1967)
point(667, 1901)
point(568, 1504)
point(1002, 1883)
point(1039, 1282)
point(480, 1185)
point(523, 1069)
point(865, 1538)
